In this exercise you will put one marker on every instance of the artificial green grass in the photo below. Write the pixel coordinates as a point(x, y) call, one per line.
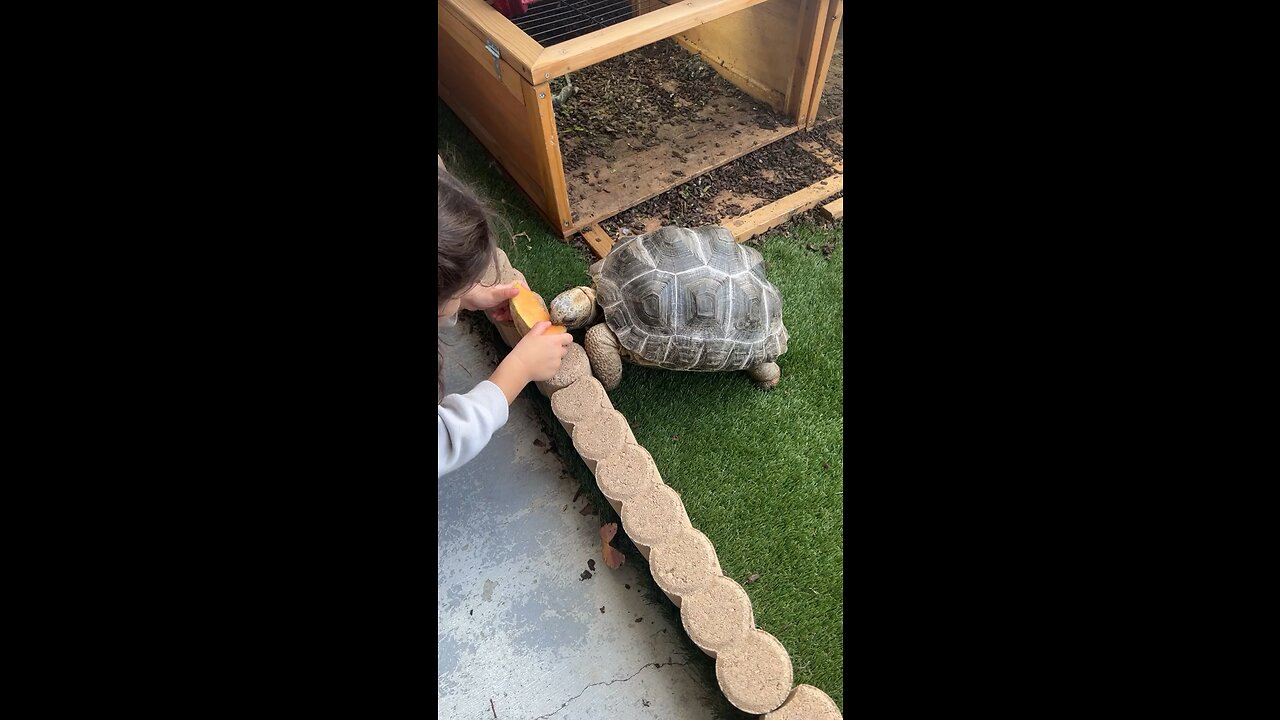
point(760, 473)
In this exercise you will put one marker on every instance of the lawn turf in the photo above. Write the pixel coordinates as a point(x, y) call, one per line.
point(760, 473)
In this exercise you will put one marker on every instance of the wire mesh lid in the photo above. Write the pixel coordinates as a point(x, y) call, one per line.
point(554, 21)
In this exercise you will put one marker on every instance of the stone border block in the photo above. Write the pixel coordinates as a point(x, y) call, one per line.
point(684, 564)
point(654, 516)
point(717, 615)
point(806, 703)
point(755, 673)
point(573, 367)
point(626, 474)
point(599, 435)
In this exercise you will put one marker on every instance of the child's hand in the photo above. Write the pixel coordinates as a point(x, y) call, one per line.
point(540, 354)
point(493, 299)
point(536, 357)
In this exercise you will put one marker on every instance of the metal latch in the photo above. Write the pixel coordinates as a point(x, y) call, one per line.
point(497, 57)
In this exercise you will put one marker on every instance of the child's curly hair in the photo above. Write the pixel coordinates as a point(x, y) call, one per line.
point(464, 246)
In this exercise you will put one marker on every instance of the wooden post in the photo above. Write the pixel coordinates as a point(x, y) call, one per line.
point(835, 17)
point(546, 150)
point(812, 16)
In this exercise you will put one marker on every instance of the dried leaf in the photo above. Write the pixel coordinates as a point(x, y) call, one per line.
point(612, 557)
point(753, 577)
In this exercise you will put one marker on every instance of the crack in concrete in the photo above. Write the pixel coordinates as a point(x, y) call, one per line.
point(608, 682)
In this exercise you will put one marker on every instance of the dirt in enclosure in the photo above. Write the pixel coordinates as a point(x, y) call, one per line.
point(629, 97)
point(768, 174)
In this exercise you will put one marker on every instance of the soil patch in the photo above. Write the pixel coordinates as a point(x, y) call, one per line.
point(768, 174)
point(633, 96)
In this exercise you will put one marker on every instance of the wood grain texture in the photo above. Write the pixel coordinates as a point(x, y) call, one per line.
point(805, 62)
point(550, 164)
point(488, 109)
point(517, 48)
point(473, 44)
point(753, 48)
point(834, 210)
point(835, 15)
point(598, 240)
point(775, 213)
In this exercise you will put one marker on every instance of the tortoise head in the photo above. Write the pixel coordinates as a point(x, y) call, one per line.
point(574, 308)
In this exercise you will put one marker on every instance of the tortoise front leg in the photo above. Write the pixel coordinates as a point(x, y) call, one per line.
point(765, 375)
point(602, 350)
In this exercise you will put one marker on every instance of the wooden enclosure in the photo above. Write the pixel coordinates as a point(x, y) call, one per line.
point(496, 76)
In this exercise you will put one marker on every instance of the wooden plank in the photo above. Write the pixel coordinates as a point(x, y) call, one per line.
point(542, 126)
point(834, 18)
point(805, 63)
point(822, 154)
point(473, 44)
point(637, 174)
point(488, 109)
point(626, 36)
point(752, 48)
point(775, 213)
point(834, 210)
point(517, 48)
point(598, 239)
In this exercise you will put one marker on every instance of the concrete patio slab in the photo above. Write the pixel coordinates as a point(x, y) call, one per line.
point(530, 622)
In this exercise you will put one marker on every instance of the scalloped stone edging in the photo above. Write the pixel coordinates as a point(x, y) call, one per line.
point(753, 669)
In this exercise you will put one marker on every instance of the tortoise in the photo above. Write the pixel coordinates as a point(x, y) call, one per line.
point(681, 299)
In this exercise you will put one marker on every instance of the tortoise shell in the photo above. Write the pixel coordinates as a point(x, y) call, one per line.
point(691, 299)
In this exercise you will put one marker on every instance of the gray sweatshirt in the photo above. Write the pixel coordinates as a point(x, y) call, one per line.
point(464, 423)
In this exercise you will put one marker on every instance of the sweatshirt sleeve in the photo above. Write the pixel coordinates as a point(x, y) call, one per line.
point(464, 424)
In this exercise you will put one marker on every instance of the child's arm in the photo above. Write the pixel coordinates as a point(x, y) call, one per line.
point(466, 422)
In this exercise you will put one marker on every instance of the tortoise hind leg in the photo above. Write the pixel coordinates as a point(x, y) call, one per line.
point(602, 350)
point(765, 375)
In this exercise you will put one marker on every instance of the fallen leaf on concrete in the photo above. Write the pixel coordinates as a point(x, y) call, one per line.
point(588, 509)
point(612, 557)
point(753, 577)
